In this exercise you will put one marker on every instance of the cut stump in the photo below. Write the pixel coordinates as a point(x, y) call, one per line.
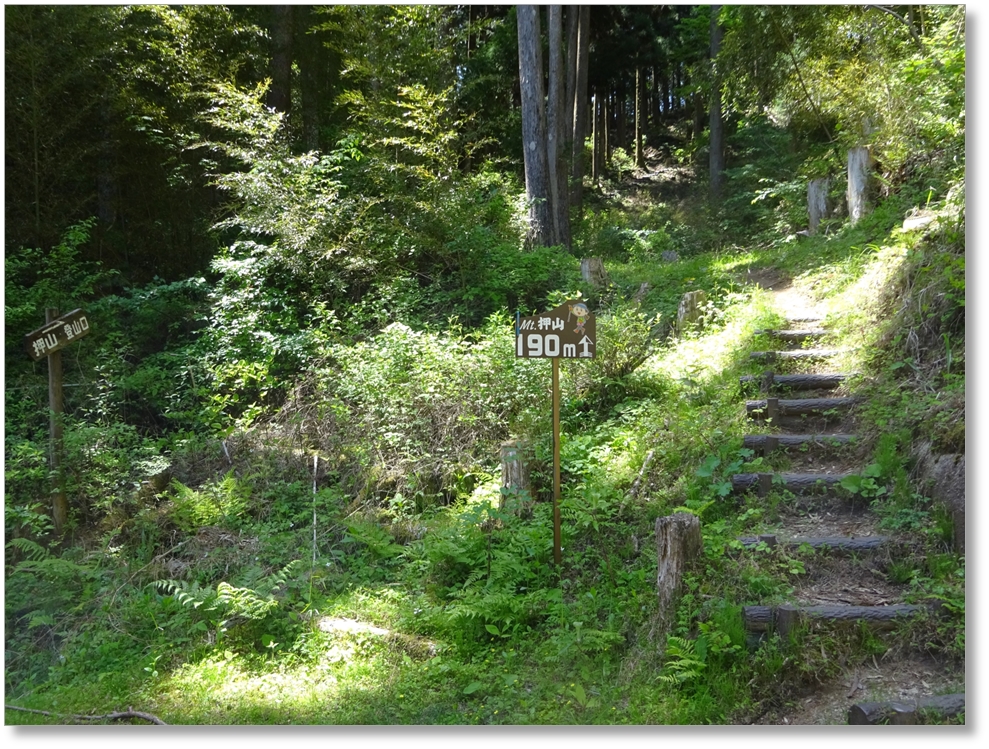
point(678, 542)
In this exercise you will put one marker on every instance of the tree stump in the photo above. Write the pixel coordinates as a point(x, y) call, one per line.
point(593, 272)
point(678, 542)
point(515, 488)
point(690, 311)
point(859, 168)
point(817, 202)
point(640, 295)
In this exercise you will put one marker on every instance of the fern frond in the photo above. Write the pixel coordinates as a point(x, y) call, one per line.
point(30, 549)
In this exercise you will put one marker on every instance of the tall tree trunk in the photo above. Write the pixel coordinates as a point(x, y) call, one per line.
point(639, 114)
point(697, 101)
point(534, 126)
point(621, 141)
point(280, 93)
point(556, 126)
point(310, 60)
point(569, 102)
point(580, 110)
point(717, 155)
point(106, 178)
point(667, 97)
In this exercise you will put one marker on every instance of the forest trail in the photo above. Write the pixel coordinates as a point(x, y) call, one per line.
point(834, 578)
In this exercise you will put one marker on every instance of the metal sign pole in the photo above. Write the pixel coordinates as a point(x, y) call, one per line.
point(60, 504)
point(557, 533)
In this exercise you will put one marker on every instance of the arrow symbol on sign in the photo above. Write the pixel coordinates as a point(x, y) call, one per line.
point(586, 342)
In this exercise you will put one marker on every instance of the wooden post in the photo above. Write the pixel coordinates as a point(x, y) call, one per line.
point(859, 169)
point(60, 504)
point(817, 202)
point(593, 272)
point(514, 476)
point(557, 534)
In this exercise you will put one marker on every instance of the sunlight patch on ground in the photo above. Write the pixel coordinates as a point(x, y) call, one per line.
point(697, 358)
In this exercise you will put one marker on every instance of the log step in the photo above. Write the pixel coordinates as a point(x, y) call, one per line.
point(769, 380)
point(809, 354)
point(770, 442)
point(794, 336)
point(770, 408)
point(831, 543)
point(904, 713)
point(798, 483)
point(763, 620)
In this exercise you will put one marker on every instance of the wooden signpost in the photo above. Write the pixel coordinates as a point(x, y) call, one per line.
point(567, 332)
point(48, 342)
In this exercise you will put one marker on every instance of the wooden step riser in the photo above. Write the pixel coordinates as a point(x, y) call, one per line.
point(797, 483)
point(783, 620)
point(809, 355)
point(794, 336)
point(774, 408)
point(906, 713)
point(833, 544)
point(770, 381)
point(767, 443)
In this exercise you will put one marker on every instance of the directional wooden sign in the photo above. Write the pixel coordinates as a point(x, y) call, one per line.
point(567, 332)
point(56, 334)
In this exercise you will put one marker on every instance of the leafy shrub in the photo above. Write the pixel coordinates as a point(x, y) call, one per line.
point(411, 411)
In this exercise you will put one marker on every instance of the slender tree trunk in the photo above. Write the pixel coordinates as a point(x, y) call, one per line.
point(534, 126)
point(640, 98)
point(106, 182)
point(556, 127)
point(573, 17)
point(667, 98)
point(280, 93)
point(310, 60)
point(717, 156)
point(621, 140)
point(595, 135)
point(698, 103)
point(580, 110)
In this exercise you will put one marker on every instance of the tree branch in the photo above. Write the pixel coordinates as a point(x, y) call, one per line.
point(905, 22)
point(796, 69)
point(124, 715)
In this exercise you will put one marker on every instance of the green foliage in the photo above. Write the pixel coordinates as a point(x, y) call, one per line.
point(214, 504)
point(418, 409)
point(239, 614)
point(683, 666)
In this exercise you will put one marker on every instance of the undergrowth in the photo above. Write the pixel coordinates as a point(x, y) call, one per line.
point(214, 591)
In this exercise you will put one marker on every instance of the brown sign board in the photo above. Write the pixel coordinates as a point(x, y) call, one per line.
point(567, 332)
point(57, 334)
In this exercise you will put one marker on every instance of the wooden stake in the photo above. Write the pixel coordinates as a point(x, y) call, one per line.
point(557, 533)
point(60, 504)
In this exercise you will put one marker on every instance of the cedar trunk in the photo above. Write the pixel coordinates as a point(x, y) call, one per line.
point(717, 164)
point(580, 111)
point(534, 126)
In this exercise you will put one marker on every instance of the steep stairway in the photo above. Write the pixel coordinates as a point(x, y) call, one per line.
point(807, 423)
